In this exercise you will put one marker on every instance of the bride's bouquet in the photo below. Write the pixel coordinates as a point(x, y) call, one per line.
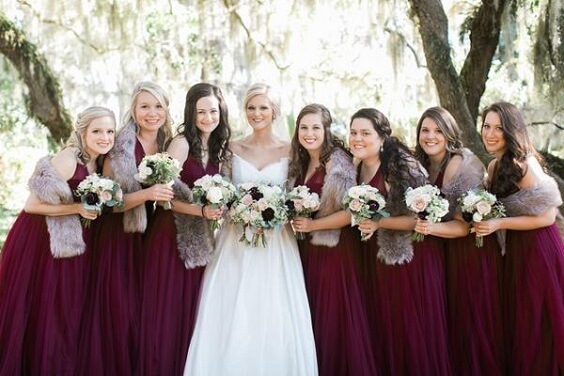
point(215, 191)
point(158, 168)
point(301, 203)
point(479, 205)
point(97, 191)
point(257, 208)
point(427, 203)
point(364, 202)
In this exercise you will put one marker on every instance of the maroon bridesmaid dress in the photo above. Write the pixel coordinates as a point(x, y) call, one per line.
point(340, 325)
point(170, 292)
point(110, 323)
point(41, 298)
point(406, 307)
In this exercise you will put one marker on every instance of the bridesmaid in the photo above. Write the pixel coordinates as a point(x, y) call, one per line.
point(178, 243)
point(44, 263)
point(340, 326)
point(404, 284)
point(533, 282)
point(472, 274)
point(109, 333)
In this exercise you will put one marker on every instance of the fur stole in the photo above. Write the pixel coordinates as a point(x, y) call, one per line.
point(122, 161)
point(338, 179)
point(194, 240)
point(535, 200)
point(65, 231)
point(395, 246)
point(469, 175)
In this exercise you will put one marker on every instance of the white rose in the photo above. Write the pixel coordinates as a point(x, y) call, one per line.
point(483, 208)
point(214, 195)
point(477, 217)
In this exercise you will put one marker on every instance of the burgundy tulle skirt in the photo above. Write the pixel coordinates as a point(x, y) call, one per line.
point(473, 282)
point(41, 302)
point(407, 310)
point(534, 302)
point(340, 324)
point(110, 324)
point(170, 297)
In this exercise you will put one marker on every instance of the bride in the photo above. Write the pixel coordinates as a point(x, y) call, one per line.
point(254, 317)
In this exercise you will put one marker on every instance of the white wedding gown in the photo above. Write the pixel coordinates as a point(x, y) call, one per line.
point(254, 316)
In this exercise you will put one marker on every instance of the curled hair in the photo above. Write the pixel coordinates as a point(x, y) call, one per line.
point(449, 128)
point(164, 133)
point(268, 92)
point(299, 155)
point(395, 157)
point(219, 138)
point(81, 124)
point(517, 148)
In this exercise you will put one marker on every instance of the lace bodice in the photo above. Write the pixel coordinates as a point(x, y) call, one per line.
point(274, 173)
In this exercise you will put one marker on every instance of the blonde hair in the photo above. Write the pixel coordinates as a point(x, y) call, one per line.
point(268, 92)
point(165, 131)
point(81, 124)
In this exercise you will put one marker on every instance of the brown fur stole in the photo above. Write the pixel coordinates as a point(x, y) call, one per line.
point(395, 246)
point(195, 242)
point(123, 164)
point(65, 231)
point(338, 179)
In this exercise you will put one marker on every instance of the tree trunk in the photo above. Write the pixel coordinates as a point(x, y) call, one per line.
point(460, 95)
point(45, 100)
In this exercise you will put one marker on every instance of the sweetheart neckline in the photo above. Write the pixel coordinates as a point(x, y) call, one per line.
point(265, 166)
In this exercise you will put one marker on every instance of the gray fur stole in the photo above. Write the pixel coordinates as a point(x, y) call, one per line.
point(65, 231)
point(395, 246)
point(535, 200)
point(470, 175)
point(122, 161)
point(195, 242)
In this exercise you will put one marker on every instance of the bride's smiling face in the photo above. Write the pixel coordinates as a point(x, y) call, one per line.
point(259, 112)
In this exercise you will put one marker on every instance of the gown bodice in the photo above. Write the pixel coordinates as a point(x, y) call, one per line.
point(273, 173)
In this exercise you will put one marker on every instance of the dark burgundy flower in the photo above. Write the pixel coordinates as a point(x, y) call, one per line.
point(91, 198)
point(422, 215)
point(268, 214)
point(255, 193)
point(373, 206)
point(467, 217)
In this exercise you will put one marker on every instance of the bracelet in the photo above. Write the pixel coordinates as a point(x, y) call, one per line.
point(203, 215)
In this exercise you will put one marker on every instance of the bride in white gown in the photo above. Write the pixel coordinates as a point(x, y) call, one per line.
point(254, 316)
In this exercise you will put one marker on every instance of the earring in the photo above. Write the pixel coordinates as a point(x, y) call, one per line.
point(381, 149)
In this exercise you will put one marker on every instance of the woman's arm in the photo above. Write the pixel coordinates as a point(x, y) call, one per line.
point(333, 221)
point(64, 164)
point(455, 228)
point(522, 223)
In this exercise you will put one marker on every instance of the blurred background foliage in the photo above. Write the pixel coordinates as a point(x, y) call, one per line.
point(345, 54)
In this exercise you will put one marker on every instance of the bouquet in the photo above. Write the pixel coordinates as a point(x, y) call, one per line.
point(96, 191)
point(427, 202)
point(301, 203)
point(158, 168)
point(365, 202)
point(215, 191)
point(477, 205)
point(258, 207)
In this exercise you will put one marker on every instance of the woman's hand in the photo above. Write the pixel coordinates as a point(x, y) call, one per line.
point(86, 213)
point(159, 192)
point(368, 227)
point(423, 227)
point(302, 224)
point(484, 228)
point(209, 212)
